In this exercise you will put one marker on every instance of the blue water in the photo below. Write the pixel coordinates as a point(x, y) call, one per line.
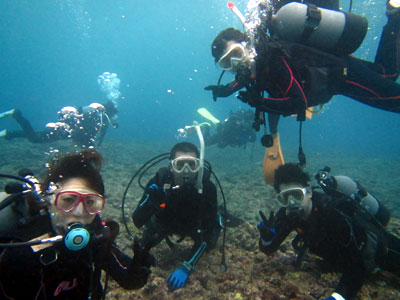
point(53, 51)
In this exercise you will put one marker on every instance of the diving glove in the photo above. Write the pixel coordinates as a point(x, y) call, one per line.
point(179, 277)
point(219, 90)
point(141, 262)
point(251, 97)
point(265, 227)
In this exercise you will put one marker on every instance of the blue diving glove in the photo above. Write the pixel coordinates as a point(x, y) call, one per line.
point(335, 296)
point(265, 227)
point(179, 277)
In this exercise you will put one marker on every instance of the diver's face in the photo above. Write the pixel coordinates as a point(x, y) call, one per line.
point(296, 198)
point(235, 55)
point(61, 219)
point(185, 167)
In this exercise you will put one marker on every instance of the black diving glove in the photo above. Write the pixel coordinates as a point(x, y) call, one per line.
point(219, 91)
point(142, 258)
point(266, 228)
point(253, 98)
point(141, 262)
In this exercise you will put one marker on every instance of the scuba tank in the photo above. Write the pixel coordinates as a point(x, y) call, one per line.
point(339, 186)
point(330, 30)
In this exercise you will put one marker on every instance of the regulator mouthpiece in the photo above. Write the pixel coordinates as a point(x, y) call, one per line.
point(77, 238)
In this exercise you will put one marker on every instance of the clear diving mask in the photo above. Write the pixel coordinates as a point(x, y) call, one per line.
point(292, 196)
point(232, 57)
point(181, 163)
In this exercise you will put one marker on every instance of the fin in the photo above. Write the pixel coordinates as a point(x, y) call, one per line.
point(309, 112)
point(206, 114)
point(3, 133)
point(7, 114)
point(272, 160)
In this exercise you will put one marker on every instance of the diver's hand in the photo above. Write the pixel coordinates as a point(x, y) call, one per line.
point(142, 257)
point(265, 227)
point(252, 98)
point(157, 194)
point(219, 91)
point(140, 265)
point(179, 277)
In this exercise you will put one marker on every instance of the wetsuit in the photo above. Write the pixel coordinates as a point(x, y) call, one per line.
point(296, 76)
point(57, 273)
point(182, 211)
point(343, 239)
point(86, 128)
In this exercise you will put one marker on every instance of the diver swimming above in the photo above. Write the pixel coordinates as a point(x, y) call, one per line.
point(343, 224)
point(301, 57)
point(86, 126)
point(62, 252)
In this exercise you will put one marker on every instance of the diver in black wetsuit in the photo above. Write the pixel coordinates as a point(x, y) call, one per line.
point(85, 126)
point(298, 75)
point(332, 226)
point(174, 203)
point(72, 267)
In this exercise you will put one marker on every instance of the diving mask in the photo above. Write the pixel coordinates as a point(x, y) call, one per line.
point(181, 163)
point(67, 201)
point(291, 196)
point(233, 57)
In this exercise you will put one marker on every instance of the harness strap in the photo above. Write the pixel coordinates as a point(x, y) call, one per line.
point(312, 21)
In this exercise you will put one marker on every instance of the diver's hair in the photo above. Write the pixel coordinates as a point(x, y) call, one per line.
point(85, 164)
point(225, 36)
point(183, 147)
point(290, 173)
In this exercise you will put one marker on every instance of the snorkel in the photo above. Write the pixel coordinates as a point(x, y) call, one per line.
point(250, 33)
point(237, 12)
point(199, 184)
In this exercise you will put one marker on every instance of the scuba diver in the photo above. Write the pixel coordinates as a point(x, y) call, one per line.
point(180, 200)
point(300, 54)
point(234, 131)
point(344, 225)
point(62, 252)
point(86, 126)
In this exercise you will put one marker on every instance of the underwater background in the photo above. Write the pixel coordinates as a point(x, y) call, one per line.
point(52, 52)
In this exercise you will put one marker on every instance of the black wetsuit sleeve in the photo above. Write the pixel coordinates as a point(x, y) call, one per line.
point(148, 205)
point(283, 226)
point(124, 270)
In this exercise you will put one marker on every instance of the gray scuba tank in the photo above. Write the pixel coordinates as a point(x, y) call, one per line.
point(349, 187)
point(330, 30)
point(353, 189)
